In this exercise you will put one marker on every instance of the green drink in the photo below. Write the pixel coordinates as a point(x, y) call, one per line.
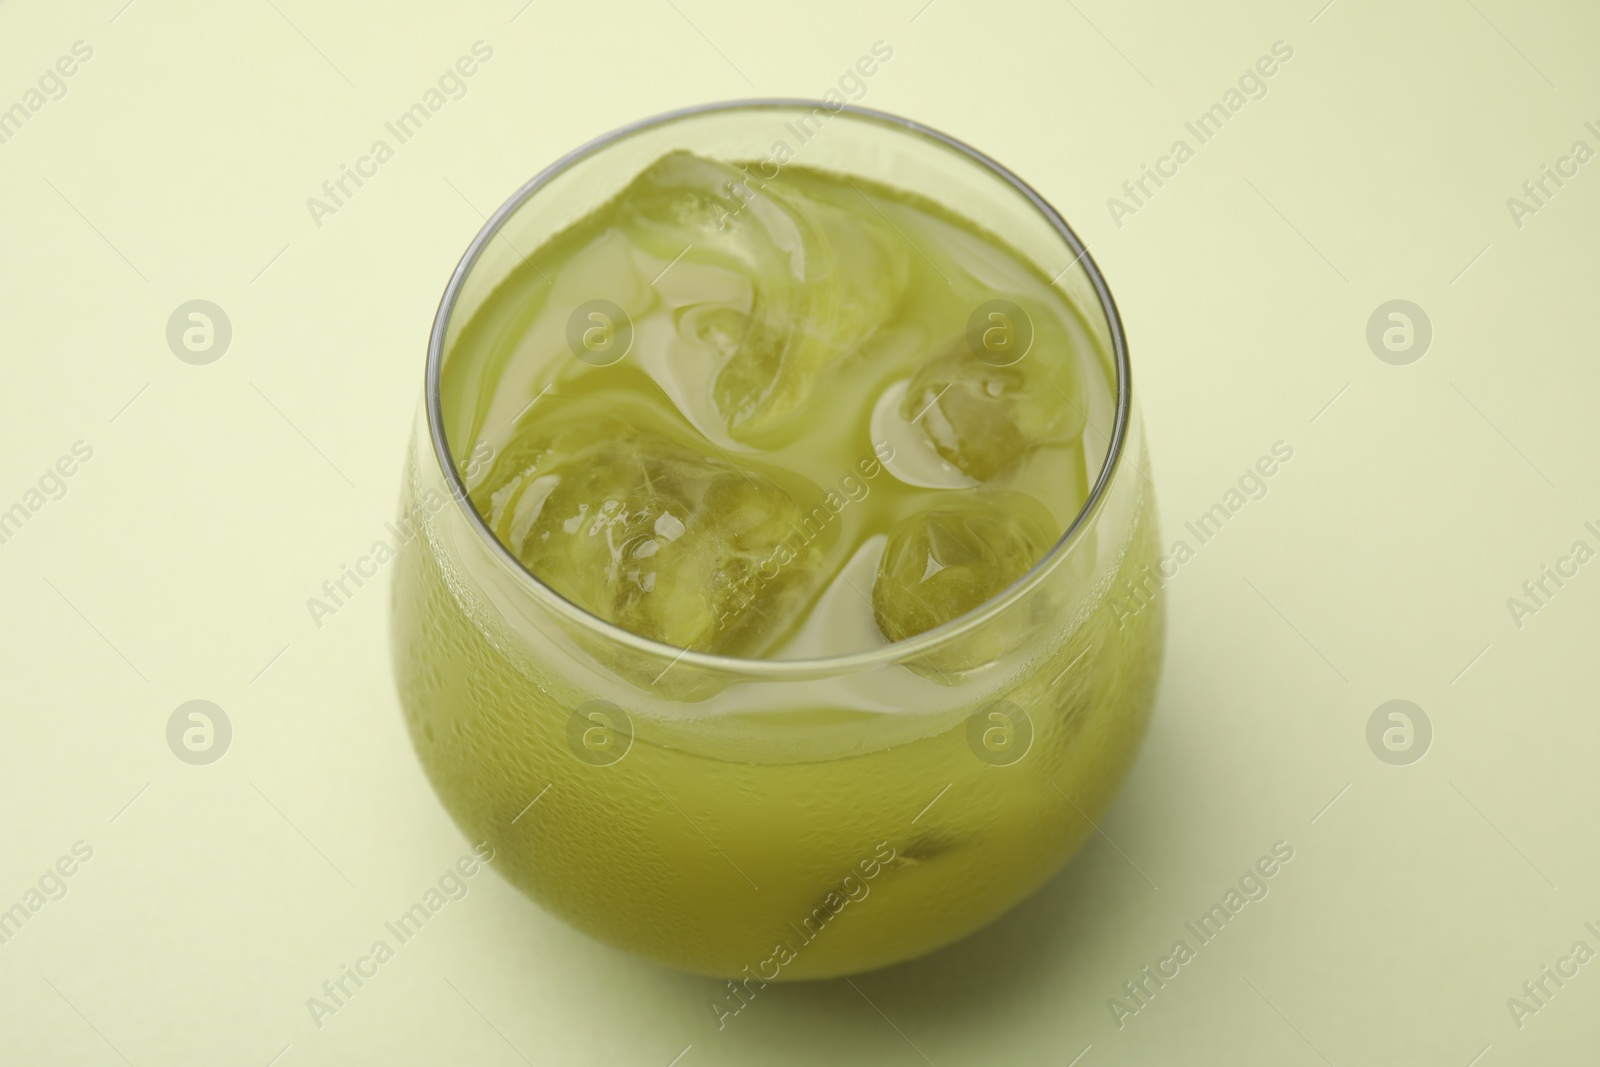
point(766, 633)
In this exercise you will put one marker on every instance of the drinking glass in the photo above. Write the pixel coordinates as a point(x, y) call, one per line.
point(775, 819)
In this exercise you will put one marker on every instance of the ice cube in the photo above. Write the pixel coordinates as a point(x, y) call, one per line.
point(950, 559)
point(683, 200)
point(632, 526)
point(821, 278)
point(984, 418)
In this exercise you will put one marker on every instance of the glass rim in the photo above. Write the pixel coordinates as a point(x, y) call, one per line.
point(785, 669)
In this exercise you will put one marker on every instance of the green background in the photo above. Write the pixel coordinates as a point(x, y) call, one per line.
point(1378, 566)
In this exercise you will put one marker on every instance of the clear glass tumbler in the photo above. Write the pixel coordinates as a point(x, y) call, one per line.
point(768, 819)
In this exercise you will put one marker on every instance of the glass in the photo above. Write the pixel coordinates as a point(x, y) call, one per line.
point(777, 819)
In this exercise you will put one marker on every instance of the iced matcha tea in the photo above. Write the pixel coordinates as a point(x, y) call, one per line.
point(770, 514)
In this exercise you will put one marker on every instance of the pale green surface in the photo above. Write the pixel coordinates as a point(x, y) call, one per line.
point(1391, 540)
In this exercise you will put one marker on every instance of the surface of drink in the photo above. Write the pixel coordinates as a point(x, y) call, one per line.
point(712, 397)
point(777, 420)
